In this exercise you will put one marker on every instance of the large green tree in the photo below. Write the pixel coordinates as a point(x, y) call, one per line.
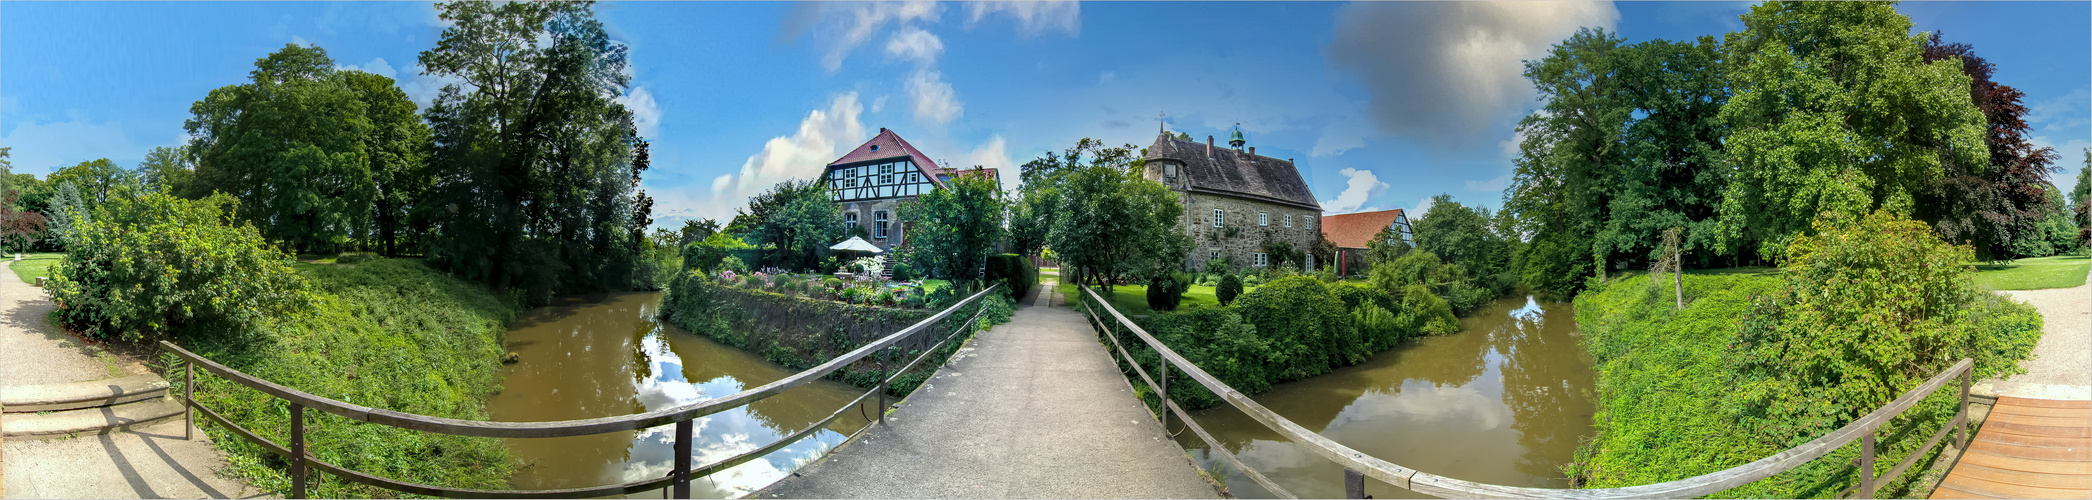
point(535, 179)
point(398, 145)
point(1037, 208)
point(96, 179)
point(289, 144)
point(1835, 110)
point(1110, 223)
point(2001, 207)
point(797, 220)
point(166, 169)
point(953, 229)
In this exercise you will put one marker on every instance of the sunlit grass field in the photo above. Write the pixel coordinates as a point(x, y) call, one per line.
point(2061, 271)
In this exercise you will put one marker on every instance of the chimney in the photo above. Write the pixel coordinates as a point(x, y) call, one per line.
point(1209, 146)
point(1252, 150)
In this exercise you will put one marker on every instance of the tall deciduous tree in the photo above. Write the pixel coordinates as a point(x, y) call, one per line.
point(1109, 223)
point(1835, 111)
point(398, 145)
point(534, 185)
point(954, 228)
point(1992, 207)
point(166, 169)
point(797, 219)
point(289, 144)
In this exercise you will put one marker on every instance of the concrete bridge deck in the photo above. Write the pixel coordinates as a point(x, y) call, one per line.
point(1034, 408)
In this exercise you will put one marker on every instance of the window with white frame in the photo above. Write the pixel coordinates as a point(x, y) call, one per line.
point(1263, 219)
point(1219, 218)
point(1260, 259)
point(1289, 220)
point(879, 225)
point(849, 221)
point(1216, 254)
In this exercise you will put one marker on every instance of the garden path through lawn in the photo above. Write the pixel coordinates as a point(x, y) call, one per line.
point(32, 351)
point(1033, 408)
point(2061, 366)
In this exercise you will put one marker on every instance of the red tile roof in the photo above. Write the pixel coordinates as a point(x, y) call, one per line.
point(1354, 230)
point(887, 146)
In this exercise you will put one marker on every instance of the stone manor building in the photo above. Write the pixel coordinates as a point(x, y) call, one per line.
point(1234, 200)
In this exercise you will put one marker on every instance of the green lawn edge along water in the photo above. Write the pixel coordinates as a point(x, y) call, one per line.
point(33, 265)
point(385, 333)
point(1669, 408)
point(2061, 271)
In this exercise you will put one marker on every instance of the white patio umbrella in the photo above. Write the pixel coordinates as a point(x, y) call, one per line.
point(856, 244)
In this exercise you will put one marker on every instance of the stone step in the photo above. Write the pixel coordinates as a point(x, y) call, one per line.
point(77, 395)
point(88, 421)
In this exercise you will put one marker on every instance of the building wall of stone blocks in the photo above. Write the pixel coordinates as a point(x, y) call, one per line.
point(865, 210)
point(1248, 236)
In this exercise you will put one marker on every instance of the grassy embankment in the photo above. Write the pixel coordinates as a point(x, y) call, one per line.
point(1668, 408)
point(387, 333)
point(1133, 299)
point(2061, 271)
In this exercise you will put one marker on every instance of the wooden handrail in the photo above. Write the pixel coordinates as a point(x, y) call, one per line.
point(1446, 487)
point(682, 416)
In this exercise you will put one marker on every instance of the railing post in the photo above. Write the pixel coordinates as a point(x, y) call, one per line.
point(882, 386)
point(297, 450)
point(1961, 430)
point(1867, 465)
point(682, 472)
point(1162, 388)
point(1354, 484)
point(189, 401)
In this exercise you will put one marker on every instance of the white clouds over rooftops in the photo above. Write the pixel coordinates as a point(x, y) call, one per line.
point(822, 137)
point(1362, 186)
point(1445, 71)
point(1032, 18)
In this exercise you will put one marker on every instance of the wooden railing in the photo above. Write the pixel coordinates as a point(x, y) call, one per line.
point(1358, 465)
point(682, 416)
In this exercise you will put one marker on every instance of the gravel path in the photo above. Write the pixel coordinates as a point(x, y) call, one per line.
point(153, 462)
point(2061, 367)
point(1034, 408)
point(33, 352)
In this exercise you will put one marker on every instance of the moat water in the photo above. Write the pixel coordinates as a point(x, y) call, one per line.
point(609, 355)
point(1504, 401)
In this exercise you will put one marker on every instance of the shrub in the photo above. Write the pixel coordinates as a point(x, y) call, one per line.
point(1165, 292)
point(1230, 287)
point(1014, 272)
point(732, 263)
point(709, 253)
point(1318, 334)
point(1424, 312)
point(1217, 341)
point(1380, 328)
point(1253, 280)
point(1355, 295)
point(832, 283)
point(153, 265)
point(904, 271)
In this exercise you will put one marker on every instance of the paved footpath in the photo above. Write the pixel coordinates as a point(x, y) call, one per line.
point(1034, 408)
point(2061, 367)
point(152, 462)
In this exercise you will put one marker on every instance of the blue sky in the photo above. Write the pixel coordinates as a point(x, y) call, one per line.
point(1382, 105)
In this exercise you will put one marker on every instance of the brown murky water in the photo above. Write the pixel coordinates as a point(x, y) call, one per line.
point(608, 355)
point(1505, 401)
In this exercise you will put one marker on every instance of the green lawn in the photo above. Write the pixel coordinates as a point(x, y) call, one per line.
point(34, 265)
point(1133, 299)
point(2062, 271)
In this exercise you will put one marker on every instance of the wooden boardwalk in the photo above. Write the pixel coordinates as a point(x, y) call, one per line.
point(2028, 448)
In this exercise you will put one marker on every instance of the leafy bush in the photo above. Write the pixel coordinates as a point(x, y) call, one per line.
point(1014, 272)
point(1319, 335)
point(734, 264)
point(1230, 287)
point(1355, 295)
point(1217, 341)
point(1424, 312)
point(904, 271)
point(153, 265)
point(1253, 280)
point(1165, 292)
point(832, 283)
point(1381, 329)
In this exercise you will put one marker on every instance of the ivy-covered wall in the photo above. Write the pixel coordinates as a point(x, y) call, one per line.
point(794, 331)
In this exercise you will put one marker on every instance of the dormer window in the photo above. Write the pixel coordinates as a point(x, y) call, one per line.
point(875, 147)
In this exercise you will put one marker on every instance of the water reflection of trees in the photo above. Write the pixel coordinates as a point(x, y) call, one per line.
point(1546, 386)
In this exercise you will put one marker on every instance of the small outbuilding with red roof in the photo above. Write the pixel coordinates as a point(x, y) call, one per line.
point(1351, 233)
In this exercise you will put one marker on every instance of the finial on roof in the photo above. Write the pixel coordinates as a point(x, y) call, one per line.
point(1235, 138)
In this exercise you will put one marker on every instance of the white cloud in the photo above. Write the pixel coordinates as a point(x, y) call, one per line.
point(376, 66)
point(823, 135)
point(1444, 71)
point(993, 154)
point(2064, 111)
point(645, 113)
point(1032, 18)
point(1107, 77)
point(1422, 207)
point(855, 23)
point(1489, 186)
point(1363, 185)
point(1337, 137)
point(934, 100)
point(423, 88)
point(299, 40)
point(914, 44)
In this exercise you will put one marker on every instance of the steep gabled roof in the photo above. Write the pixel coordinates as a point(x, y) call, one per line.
point(1354, 230)
point(887, 146)
point(1236, 173)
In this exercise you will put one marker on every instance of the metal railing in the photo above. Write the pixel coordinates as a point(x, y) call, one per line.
point(1358, 465)
point(682, 416)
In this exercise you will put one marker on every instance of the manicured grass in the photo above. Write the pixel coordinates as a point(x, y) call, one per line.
point(1133, 299)
point(2062, 271)
point(33, 265)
